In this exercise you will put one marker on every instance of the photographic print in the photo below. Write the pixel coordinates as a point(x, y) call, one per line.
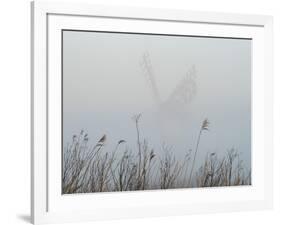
point(154, 111)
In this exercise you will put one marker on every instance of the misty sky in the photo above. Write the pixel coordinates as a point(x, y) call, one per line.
point(104, 85)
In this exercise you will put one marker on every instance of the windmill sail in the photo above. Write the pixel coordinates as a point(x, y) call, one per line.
point(148, 72)
point(186, 89)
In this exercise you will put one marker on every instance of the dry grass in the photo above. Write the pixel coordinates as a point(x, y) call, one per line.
point(91, 169)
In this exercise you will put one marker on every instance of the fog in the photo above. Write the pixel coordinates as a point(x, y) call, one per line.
point(174, 82)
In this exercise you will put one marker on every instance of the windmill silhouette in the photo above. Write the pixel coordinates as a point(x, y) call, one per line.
point(181, 95)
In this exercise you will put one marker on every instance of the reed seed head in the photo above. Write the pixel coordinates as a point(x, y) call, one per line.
point(103, 139)
point(205, 125)
point(121, 141)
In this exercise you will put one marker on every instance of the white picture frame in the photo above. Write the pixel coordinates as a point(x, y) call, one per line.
point(47, 203)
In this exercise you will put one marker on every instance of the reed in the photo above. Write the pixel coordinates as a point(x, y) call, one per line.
point(87, 169)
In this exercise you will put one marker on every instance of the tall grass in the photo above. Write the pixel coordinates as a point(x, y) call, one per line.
point(88, 168)
point(204, 127)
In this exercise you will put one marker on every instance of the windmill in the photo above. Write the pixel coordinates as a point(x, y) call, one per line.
point(171, 113)
point(182, 94)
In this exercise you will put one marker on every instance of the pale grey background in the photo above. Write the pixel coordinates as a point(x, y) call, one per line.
point(104, 86)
